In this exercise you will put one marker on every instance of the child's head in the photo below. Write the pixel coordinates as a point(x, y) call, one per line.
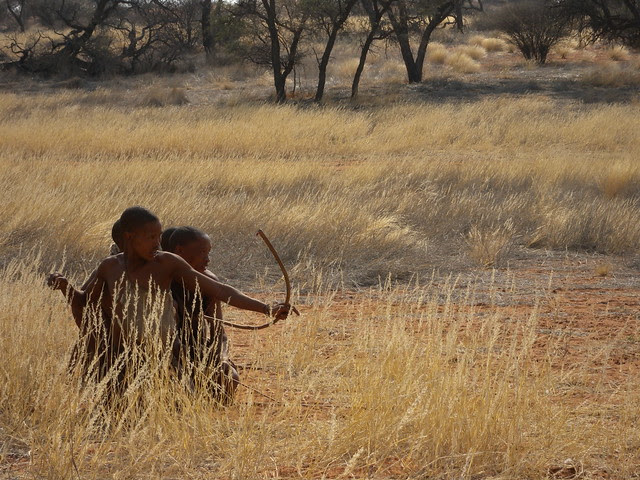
point(116, 235)
point(191, 244)
point(165, 237)
point(141, 231)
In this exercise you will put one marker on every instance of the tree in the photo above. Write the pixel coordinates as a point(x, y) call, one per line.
point(532, 25)
point(329, 16)
point(375, 12)
point(614, 20)
point(422, 17)
point(274, 32)
point(16, 9)
point(83, 34)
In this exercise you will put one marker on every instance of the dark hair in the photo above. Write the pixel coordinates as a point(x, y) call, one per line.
point(165, 237)
point(182, 236)
point(135, 217)
point(116, 234)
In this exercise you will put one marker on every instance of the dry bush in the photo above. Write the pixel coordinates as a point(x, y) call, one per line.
point(222, 82)
point(437, 53)
point(162, 97)
point(490, 247)
point(461, 62)
point(603, 269)
point(494, 45)
point(392, 71)
point(345, 69)
point(612, 76)
point(619, 53)
point(563, 51)
point(620, 182)
point(476, 40)
point(475, 52)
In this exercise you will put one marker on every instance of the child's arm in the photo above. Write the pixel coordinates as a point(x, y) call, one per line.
point(182, 271)
point(77, 299)
point(215, 307)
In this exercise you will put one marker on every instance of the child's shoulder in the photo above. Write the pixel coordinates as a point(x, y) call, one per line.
point(212, 275)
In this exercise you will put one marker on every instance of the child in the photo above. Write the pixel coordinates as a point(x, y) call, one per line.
point(91, 335)
point(205, 345)
point(127, 284)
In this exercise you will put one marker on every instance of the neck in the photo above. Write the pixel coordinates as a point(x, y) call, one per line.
point(133, 261)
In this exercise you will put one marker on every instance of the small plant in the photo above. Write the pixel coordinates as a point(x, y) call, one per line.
point(603, 270)
point(463, 63)
point(612, 76)
point(162, 97)
point(488, 247)
point(494, 45)
point(616, 183)
point(475, 52)
point(437, 53)
point(619, 53)
point(532, 26)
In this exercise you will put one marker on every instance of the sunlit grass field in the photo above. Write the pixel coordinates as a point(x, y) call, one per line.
point(402, 380)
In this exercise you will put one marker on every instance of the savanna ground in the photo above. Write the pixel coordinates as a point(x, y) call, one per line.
point(464, 253)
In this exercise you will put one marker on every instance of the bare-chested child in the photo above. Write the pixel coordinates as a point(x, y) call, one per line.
point(91, 346)
point(202, 337)
point(124, 284)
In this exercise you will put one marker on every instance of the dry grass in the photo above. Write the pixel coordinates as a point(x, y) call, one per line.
point(161, 97)
point(403, 382)
point(619, 53)
point(490, 246)
point(462, 63)
point(494, 45)
point(603, 269)
point(237, 167)
point(475, 52)
point(407, 387)
point(437, 53)
point(612, 75)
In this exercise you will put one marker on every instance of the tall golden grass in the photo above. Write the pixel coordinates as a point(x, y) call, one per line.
point(420, 175)
point(401, 384)
point(404, 382)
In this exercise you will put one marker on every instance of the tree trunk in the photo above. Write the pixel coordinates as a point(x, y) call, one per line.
point(17, 17)
point(401, 29)
point(279, 80)
point(363, 59)
point(324, 62)
point(207, 34)
point(443, 12)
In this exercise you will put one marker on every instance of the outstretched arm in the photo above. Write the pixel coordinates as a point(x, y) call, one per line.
point(220, 291)
point(76, 299)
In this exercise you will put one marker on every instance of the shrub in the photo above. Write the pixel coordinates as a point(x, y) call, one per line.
point(532, 26)
point(494, 45)
point(437, 53)
point(463, 63)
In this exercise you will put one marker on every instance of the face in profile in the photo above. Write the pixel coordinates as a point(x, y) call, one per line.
point(145, 240)
point(196, 253)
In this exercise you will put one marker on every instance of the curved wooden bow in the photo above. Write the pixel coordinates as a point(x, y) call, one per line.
point(287, 284)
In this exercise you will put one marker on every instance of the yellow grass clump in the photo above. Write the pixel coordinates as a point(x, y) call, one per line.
point(475, 52)
point(494, 44)
point(619, 53)
point(437, 53)
point(612, 76)
point(160, 97)
point(461, 62)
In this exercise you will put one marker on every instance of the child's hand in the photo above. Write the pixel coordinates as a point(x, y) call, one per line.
point(280, 311)
point(57, 281)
